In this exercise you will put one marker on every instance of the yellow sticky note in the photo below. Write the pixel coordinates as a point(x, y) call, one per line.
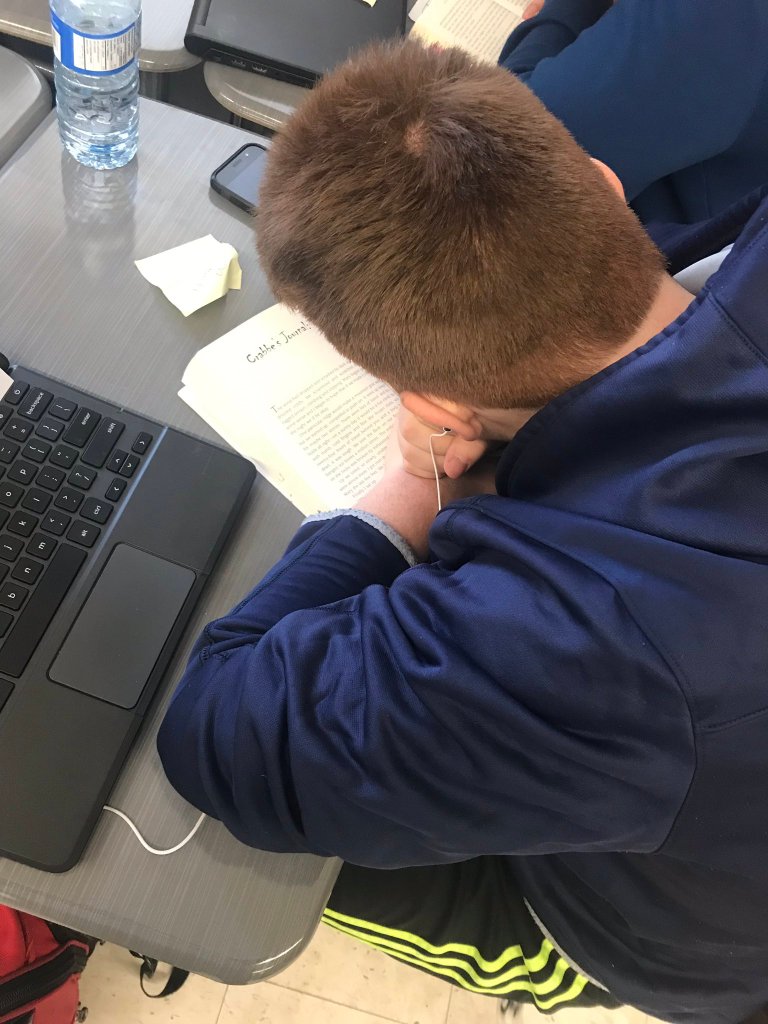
point(194, 274)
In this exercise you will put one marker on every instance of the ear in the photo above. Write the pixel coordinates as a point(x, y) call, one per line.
point(440, 413)
point(610, 176)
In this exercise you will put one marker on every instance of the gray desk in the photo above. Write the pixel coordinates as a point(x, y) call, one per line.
point(163, 25)
point(73, 305)
point(25, 99)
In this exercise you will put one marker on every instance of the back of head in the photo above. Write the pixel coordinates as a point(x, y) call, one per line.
point(446, 232)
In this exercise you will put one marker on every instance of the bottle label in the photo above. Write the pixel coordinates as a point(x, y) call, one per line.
point(94, 54)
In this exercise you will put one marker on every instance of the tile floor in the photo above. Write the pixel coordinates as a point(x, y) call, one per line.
point(336, 981)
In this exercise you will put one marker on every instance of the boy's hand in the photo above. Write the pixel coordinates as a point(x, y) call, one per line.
point(453, 455)
point(409, 502)
point(533, 8)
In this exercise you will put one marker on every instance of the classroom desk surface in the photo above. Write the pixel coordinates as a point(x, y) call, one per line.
point(73, 305)
point(163, 24)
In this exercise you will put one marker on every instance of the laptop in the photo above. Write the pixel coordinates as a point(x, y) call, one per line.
point(296, 41)
point(110, 525)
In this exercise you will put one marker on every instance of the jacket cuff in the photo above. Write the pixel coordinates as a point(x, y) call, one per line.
point(383, 528)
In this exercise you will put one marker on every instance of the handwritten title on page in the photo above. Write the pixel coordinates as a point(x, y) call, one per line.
point(277, 341)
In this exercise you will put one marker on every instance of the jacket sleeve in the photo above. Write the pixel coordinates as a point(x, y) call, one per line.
point(650, 87)
point(389, 717)
point(558, 24)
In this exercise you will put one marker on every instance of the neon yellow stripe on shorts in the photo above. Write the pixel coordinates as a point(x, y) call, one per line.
point(430, 961)
point(576, 988)
point(534, 964)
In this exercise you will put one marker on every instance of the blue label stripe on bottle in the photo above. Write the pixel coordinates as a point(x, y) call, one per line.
point(92, 54)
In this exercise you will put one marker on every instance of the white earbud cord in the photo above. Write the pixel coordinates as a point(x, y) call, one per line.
point(145, 844)
point(434, 466)
point(178, 846)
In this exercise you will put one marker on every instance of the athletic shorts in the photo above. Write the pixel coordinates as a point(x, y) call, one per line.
point(467, 923)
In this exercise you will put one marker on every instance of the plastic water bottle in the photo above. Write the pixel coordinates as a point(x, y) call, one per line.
point(96, 73)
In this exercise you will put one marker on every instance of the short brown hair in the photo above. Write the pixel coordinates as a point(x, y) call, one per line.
point(447, 233)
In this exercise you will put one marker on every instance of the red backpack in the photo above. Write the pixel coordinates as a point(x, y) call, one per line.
point(39, 970)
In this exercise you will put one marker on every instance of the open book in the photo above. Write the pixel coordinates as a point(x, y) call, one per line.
point(314, 424)
point(479, 26)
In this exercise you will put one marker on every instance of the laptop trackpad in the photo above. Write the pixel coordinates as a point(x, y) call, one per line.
point(116, 639)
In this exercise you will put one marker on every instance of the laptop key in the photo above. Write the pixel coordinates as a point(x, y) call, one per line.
point(13, 596)
point(98, 511)
point(142, 442)
point(8, 451)
point(42, 546)
point(35, 403)
point(22, 640)
point(115, 489)
point(82, 477)
point(6, 411)
point(102, 442)
point(62, 409)
point(69, 499)
point(63, 456)
point(16, 392)
point(82, 426)
point(10, 494)
point(22, 523)
point(36, 500)
point(55, 522)
point(116, 460)
point(5, 621)
point(36, 450)
point(49, 429)
point(26, 570)
point(10, 547)
point(22, 472)
point(128, 467)
point(83, 533)
point(17, 430)
point(51, 479)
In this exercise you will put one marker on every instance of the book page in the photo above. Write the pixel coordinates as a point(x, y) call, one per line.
point(341, 422)
point(315, 425)
point(479, 26)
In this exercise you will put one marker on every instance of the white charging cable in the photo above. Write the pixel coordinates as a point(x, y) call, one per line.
point(142, 840)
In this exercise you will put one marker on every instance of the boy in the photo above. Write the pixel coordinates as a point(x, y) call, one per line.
point(553, 731)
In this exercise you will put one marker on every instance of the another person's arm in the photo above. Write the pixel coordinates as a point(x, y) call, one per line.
point(647, 86)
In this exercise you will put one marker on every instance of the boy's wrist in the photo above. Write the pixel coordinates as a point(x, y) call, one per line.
point(405, 502)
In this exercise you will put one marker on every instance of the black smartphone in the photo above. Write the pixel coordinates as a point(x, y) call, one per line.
point(239, 176)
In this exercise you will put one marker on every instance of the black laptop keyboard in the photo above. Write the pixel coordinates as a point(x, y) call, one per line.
point(63, 470)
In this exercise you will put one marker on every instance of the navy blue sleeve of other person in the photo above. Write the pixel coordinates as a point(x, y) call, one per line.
point(351, 706)
point(655, 87)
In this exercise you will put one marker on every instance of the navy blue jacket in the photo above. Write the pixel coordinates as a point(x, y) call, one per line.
point(578, 677)
point(672, 94)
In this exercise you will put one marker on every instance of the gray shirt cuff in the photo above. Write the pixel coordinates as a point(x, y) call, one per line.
point(384, 529)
